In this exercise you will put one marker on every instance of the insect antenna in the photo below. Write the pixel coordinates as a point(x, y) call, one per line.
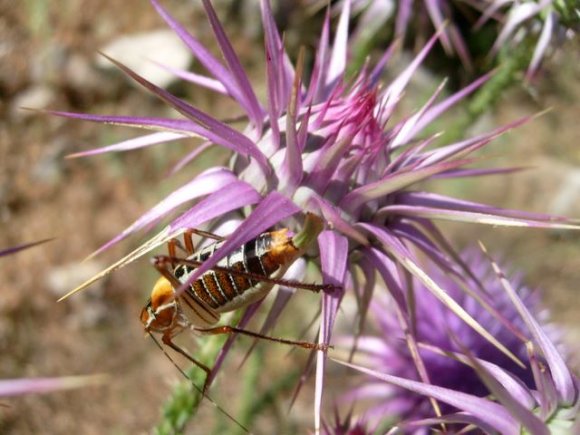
point(218, 407)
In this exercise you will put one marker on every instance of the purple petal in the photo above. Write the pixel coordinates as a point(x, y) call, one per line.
point(16, 387)
point(17, 248)
point(433, 200)
point(542, 45)
point(192, 155)
point(198, 79)
point(403, 18)
point(394, 182)
point(271, 210)
point(333, 260)
point(233, 196)
point(468, 146)
point(293, 159)
point(491, 413)
point(339, 48)
point(132, 144)
point(471, 173)
point(318, 76)
point(460, 418)
point(228, 138)
point(516, 387)
point(560, 373)
point(469, 217)
point(205, 57)
point(205, 183)
point(212, 125)
point(396, 249)
point(435, 12)
point(434, 112)
point(279, 77)
point(518, 13)
point(515, 408)
point(255, 111)
point(394, 91)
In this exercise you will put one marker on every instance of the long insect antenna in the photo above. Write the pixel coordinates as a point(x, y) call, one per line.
point(199, 390)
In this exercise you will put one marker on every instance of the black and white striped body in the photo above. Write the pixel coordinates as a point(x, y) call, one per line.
point(267, 255)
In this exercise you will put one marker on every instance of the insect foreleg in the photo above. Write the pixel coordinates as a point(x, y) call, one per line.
point(162, 263)
point(167, 341)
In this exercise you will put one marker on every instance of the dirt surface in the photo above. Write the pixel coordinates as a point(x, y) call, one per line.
point(85, 202)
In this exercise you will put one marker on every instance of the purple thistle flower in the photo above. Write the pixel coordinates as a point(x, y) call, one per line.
point(318, 144)
point(347, 425)
point(535, 20)
point(460, 364)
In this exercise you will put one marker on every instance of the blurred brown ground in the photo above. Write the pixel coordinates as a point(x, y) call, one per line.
point(85, 202)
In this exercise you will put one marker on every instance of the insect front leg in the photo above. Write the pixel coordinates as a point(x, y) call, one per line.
point(164, 265)
point(168, 342)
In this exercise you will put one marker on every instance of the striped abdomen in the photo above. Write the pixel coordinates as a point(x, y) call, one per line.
point(225, 291)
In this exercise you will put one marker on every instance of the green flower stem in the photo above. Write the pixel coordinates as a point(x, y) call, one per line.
point(255, 406)
point(184, 401)
point(509, 71)
point(252, 369)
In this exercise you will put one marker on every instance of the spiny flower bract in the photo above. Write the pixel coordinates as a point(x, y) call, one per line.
point(540, 24)
point(460, 364)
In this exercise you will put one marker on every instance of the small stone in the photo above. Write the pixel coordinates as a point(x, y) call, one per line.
point(140, 51)
point(62, 279)
point(88, 308)
point(35, 97)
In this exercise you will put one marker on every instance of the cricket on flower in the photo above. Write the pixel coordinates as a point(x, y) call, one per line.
point(334, 145)
point(239, 279)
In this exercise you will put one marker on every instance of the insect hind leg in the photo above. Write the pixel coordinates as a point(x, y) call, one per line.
point(255, 276)
point(234, 330)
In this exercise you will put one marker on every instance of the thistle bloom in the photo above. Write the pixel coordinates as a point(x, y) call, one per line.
point(543, 21)
point(347, 425)
point(320, 144)
point(458, 362)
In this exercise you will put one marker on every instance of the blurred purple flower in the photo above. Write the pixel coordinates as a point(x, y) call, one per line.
point(20, 386)
point(318, 144)
point(458, 361)
point(538, 21)
point(346, 425)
